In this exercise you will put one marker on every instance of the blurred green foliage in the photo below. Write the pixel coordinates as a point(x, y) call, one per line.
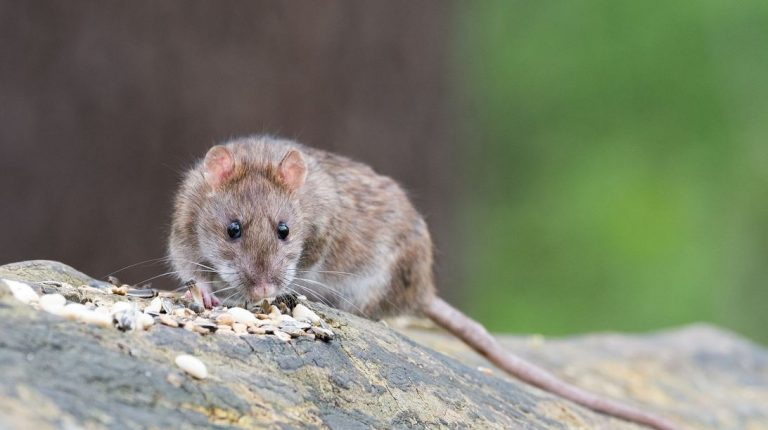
point(619, 164)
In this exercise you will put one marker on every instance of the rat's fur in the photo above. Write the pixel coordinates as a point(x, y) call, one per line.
point(356, 242)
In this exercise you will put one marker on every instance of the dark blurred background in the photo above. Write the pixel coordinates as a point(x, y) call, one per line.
point(583, 166)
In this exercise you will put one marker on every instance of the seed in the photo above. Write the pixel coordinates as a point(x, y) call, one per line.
point(303, 313)
point(125, 320)
point(154, 306)
point(167, 306)
point(322, 333)
point(144, 293)
point(72, 311)
point(120, 291)
point(22, 291)
point(53, 303)
point(240, 328)
point(145, 321)
point(225, 319)
point(256, 330)
point(192, 365)
point(275, 313)
point(170, 322)
point(118, 307)
point(242, 316)
point(95, 317)
point(285, 337)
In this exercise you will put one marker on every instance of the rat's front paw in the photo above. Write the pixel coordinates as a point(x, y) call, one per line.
point(208, 298)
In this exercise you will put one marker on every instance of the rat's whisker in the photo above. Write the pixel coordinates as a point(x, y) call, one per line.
point(151, 260)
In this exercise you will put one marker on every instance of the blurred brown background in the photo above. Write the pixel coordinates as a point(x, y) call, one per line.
point(583, 166)
point(104, 103)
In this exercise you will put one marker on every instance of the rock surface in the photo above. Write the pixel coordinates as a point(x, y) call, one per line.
point(58, 373)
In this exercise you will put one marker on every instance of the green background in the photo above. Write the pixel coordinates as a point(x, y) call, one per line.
point(618, 161)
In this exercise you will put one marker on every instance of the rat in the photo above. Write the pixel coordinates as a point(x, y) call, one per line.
point(262, 216)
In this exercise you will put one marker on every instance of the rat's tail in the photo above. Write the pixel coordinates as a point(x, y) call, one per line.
point(477, 337)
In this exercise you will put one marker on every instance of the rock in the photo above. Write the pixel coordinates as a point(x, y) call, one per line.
point(55, 371)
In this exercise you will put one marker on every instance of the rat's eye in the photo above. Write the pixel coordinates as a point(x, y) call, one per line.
point(282, 230)
point(234, 230)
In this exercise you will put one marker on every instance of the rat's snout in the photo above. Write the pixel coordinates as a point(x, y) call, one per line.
point(262, 289)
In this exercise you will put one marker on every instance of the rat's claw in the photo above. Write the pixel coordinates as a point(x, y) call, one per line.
point(209, 299)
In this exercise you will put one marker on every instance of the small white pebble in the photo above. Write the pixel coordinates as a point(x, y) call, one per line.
point(22, 291)
point(303, 313)
point(242, 316)
point(192, 365)
point(53, 303)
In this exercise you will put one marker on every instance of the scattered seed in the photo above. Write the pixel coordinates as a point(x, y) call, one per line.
point(256, 330)
point(119, 307)
point(72, 311)
point(53, 303)
point(240, 328)
point(167, 305)
point(198, 328)
point(146, 321)
point(292, 331)
point(303, 313)
point(322, 333)
point(285, 337)
point(22, 291)
point(144, 293)
point(120, 291)
point(97, 318)
point(167, 320)
point(225, 319)
point(242, 316)
point(192, 365)
point(125, 320)
point(485, 370)
point(275, 313)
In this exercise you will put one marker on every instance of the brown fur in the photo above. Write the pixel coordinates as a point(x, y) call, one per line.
point(355, 239)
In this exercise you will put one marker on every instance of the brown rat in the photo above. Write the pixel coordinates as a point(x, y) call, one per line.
point(261, 216)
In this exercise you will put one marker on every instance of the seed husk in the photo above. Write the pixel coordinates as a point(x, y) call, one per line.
point(167, 320)
point(303, 313)
point(242, 316)
point(23, 292)
point(192, 365)
point(53, 303)
point(285, 337)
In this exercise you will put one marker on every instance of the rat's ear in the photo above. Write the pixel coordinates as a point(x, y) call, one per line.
point(292, 170)
point(218, 166)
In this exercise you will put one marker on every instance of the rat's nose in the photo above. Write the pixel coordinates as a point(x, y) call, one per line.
point(261, 289)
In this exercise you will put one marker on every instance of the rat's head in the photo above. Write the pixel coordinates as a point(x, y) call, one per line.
point(250, 226)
